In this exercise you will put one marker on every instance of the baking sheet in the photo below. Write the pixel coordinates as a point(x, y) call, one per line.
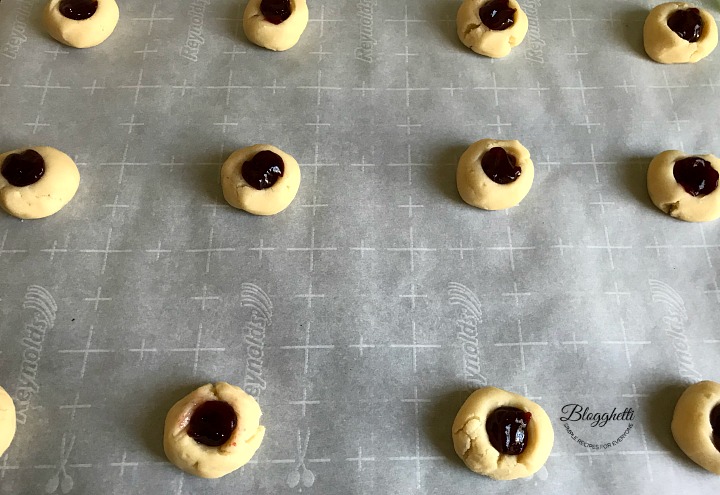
point(382, 298)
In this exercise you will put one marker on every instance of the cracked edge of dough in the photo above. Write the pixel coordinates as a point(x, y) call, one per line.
point(664, 46)
point(484, 41)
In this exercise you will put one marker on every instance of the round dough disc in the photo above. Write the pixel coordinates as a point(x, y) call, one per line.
point(477, 189)
point(663, 45)
point(82, 34)
point(213, 462)
point(473, 445)
point(47, 196)
point(269, 201)
point(7, 421)
point(276, 37)
point(483, 40)
point(671, 197)
point(691, 424)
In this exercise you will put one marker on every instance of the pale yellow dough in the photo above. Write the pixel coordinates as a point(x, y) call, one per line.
point(269, 201)
point(213, 462)
point(483, 40)
point(663, 45)
point(47, 196)
point(277, 37)
point(691, 424)
point(82, 34)
point(477, 189)
point(473, 445)
point(672, 198)
point(7, 421)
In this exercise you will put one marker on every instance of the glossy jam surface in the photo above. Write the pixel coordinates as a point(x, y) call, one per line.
point(23, 169)
point(276, 11)
point(715, 423)
point(263, 170)
point(687, 24)
point(507, 429)
point(500, 166)
point(697, 176)
point(78, 10)
point(212, 423)
point(497, 15)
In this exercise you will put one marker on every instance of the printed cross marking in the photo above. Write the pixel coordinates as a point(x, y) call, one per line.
point(9, 251)
point(45, 87)
point(625, 86)
point(677, 122)
point(562, 247)
point(412, 250)
point(123, 464)
point(210, 250)
point(312, 249)
point(142, 350)
point(572, 20)
point(74, 407)
point(363, 163)
point(409, 164)
point(516, 294)
point(462, 250)
point(499, 125)
point(306, 348)
point(54, 250)
point(710, 84)
point(237, 20)
point(317, 124)
point(315, 166)
point(152, 19)
point(57, 51)
point(588, 125)
point(510, 248)
point(107, 251)
point(197, 349)
point(4, 466)
point(229, 87)
point(406, 54)
point(414, 347)
point(617, 293)
point(319, 87)
point(496, 89)
point(322, 21)
point(183, 88)
point(538, 88)
point(360, 459)
point(274, 86)
point(452, 88)
point(114, 205)
point(635, 396)
point(35, 125)
point(521, 344)
point(594, 162)
point(261, 249)
point(132, 124)
point(139, 86)
point(321, 53)
point(158, 251)
point(94, 87)
point(705, 246)
point(304, 402)
point(225, 124)
point(576, 54)
point(364, 88)
point(315, 205)
point(362, 248)
point(582, 88)
point(574, 342)
point(145, 51)
point(204, 298)
point(234, 50)
point(413, 296)
point(310, 296)
point(406, 20)
point(97, 299)
point(668, 87)
point(410, 206)
point(407, 89)
point(602, 203)
point(609, 248)
point(408, 126)
point(361, 346)
point(86, 352)
point(715, 290)
point(626, 343)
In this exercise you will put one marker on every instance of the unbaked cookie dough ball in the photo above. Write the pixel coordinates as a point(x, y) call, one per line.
point(7, 421)
point(685, 186)
point(679, 33)
point(495, 175)
point(260, 179)
point(213, 431)
point(275, 24)
point(491, 27)
point(36, 182)
point(696, 424)
point(81, 23)
point(502, 435)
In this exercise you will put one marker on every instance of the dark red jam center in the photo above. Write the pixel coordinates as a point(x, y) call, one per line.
point(715, 423)
point(23, 169)
point(497, 15)
point(78, 10)
point(697, 176)
point(500, 166)
point(276, 11)
point(263, 170)
point(212, 423)
point(687, 24)
point(507, 429)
